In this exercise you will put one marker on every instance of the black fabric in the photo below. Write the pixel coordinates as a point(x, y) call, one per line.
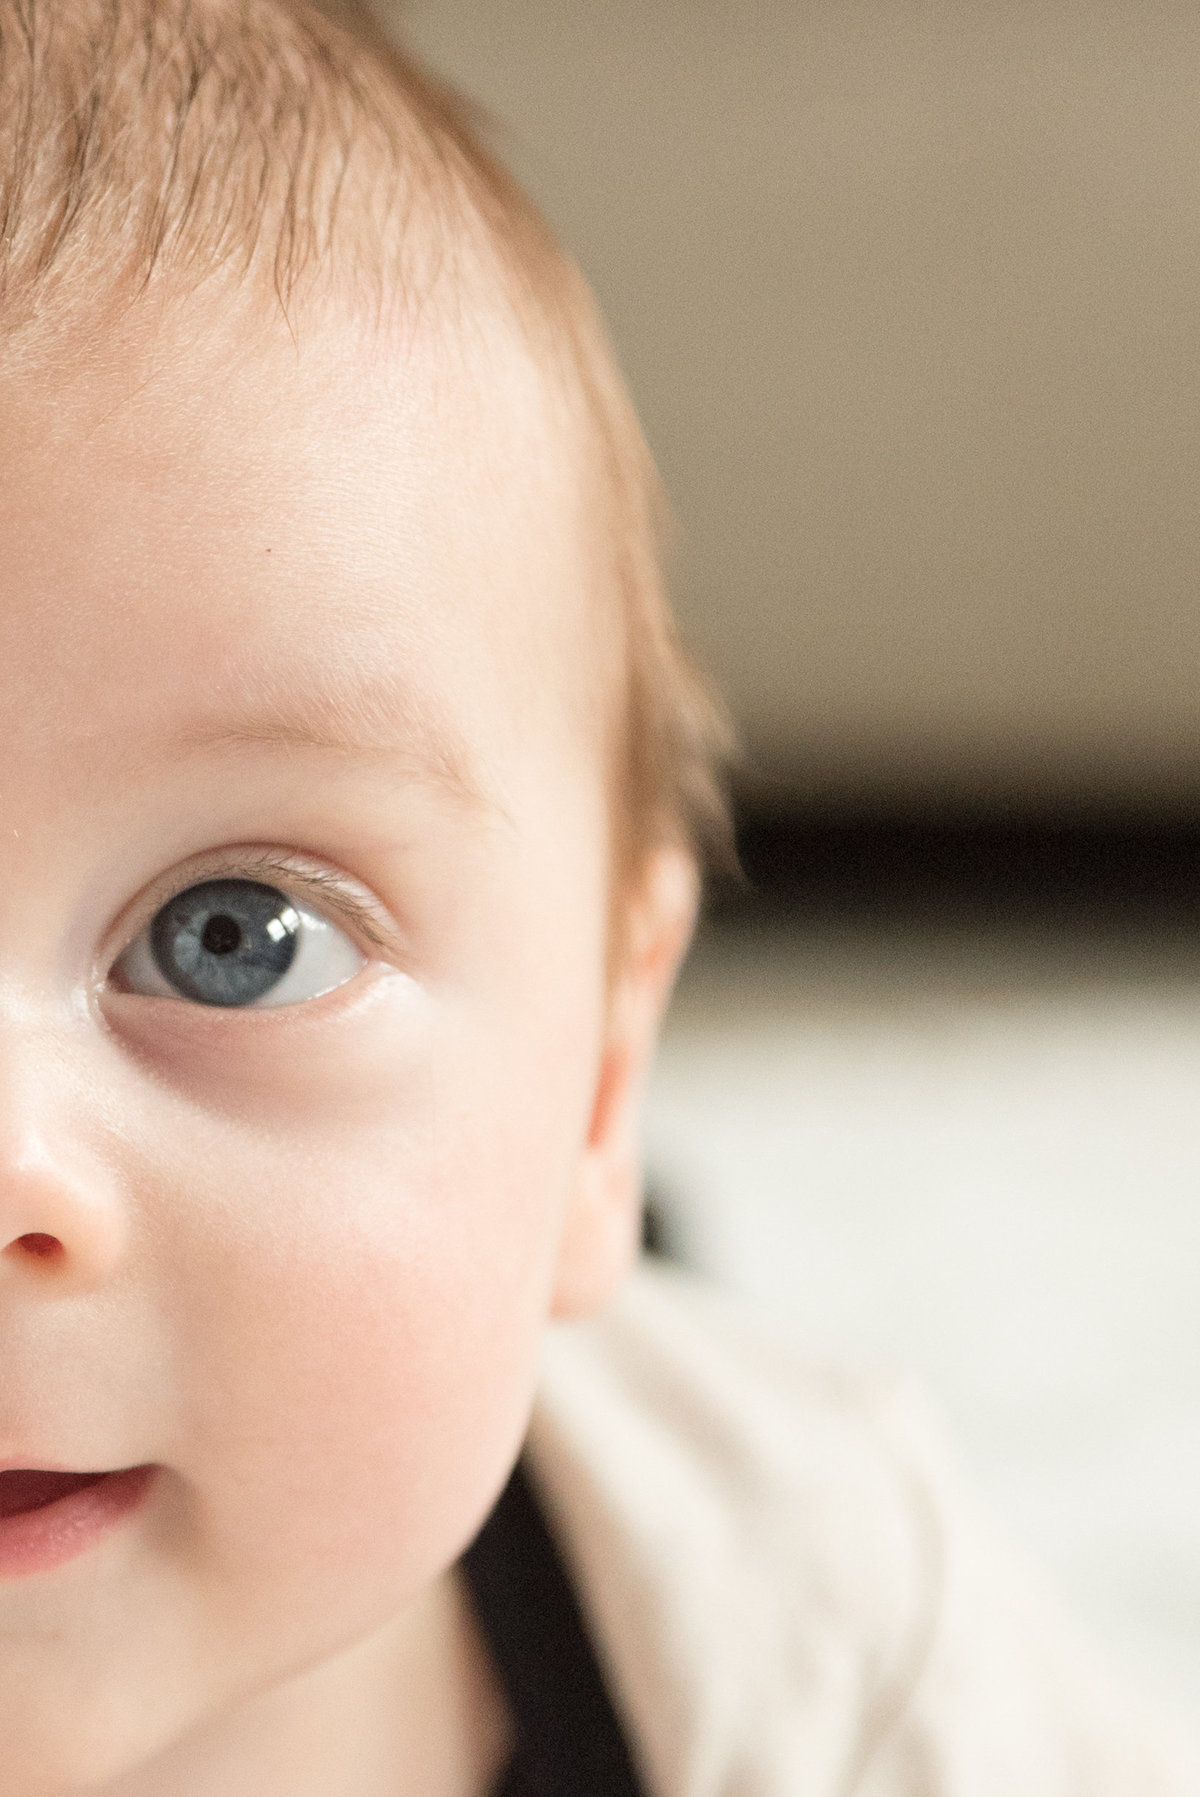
point(569, 1741)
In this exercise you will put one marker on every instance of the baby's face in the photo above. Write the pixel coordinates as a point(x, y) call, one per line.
point(286, 1161)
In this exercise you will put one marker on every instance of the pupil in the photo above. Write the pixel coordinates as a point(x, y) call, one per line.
point(221, 935)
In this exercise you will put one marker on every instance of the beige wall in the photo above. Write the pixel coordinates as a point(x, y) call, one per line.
point(908, 296)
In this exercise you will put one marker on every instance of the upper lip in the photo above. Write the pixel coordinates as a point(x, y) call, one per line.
point(32, 1464)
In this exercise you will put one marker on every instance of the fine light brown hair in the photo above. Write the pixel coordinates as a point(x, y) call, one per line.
point(292, 143)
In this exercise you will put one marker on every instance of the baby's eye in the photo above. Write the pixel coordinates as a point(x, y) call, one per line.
point(237, 942)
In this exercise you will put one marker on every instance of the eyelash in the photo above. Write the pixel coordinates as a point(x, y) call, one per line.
point(328, 890)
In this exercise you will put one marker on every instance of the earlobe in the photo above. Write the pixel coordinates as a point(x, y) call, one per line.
point(602, 1229)
point(600, 1240)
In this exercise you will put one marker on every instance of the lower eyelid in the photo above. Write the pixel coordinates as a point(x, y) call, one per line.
point(192, 1040)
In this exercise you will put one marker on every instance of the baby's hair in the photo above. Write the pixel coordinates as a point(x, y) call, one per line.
point(167, 141)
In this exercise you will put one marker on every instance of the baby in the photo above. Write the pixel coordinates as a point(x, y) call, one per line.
point(354, 792)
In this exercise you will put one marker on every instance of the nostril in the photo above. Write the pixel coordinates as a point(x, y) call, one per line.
point(42, 1247)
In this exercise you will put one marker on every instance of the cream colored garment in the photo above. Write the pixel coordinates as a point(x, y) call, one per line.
point(791, 1593)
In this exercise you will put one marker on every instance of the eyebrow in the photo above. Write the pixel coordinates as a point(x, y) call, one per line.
point(371, 721)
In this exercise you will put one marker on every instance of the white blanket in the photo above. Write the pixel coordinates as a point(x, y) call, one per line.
point(791, 1593)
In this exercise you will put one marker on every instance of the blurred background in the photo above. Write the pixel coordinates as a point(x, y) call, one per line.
point(908, 297)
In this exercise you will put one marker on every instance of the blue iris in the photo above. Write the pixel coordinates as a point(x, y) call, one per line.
point(225, 942)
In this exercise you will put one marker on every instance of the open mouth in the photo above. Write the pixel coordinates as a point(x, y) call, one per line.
point(29, 1488)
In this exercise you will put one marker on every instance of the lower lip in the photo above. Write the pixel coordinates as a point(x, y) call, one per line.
point(38, 1540)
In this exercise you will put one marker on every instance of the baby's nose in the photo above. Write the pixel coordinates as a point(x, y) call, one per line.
point(61, 1226)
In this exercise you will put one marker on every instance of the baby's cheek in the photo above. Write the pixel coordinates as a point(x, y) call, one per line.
point(358, 1347)
point(372, 1412)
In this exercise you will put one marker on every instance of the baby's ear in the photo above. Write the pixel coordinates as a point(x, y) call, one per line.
point(603, 1224)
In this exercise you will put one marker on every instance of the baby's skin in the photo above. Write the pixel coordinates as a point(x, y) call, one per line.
point(309, 611)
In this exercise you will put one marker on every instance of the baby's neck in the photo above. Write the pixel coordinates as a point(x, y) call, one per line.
point(414, 1710)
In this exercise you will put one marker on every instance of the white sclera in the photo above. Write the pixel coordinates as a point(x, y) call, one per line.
point(325, 958)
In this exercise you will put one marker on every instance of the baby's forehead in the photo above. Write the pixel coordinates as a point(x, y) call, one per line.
point(398, 518)
point(255, 183)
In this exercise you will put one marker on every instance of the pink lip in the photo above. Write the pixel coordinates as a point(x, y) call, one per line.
point(35, 1540)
